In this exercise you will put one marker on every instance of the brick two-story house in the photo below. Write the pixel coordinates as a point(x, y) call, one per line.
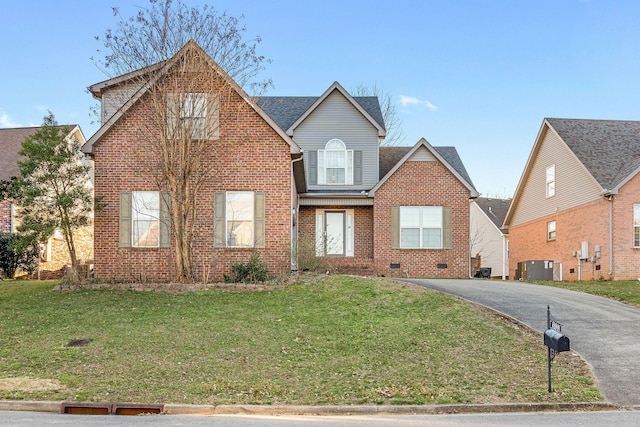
point(578, 201)
point(302, 169)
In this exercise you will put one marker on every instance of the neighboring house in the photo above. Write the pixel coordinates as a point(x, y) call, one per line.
point(488, 240)
point(54, 254)
point(315, 173)
point(578, 201)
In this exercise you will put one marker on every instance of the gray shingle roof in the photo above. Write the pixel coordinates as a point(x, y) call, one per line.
point(10, 143)
point(390, 156)
point(285, 110)
point(495, 209)
point(609, 149)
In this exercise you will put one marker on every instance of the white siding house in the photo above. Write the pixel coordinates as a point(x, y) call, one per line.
point(487, 239)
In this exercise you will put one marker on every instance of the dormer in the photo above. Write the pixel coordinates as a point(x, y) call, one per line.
point(338, 133)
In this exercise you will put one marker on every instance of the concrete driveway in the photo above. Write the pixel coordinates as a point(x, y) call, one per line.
point(604, 332)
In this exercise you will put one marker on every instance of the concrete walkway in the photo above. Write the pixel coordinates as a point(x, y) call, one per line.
point(604, 332)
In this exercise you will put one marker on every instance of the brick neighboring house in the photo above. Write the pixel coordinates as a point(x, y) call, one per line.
point(489, 241)
point(578, 200)
point(315, 168)
point(54, 254)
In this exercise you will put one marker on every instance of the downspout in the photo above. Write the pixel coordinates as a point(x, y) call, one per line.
point(295, 210)
point(504, 256)
point(610, 235)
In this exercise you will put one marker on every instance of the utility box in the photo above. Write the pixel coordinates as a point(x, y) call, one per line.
point(534, 270)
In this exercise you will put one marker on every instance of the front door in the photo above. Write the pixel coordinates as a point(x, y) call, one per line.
point(334, 233)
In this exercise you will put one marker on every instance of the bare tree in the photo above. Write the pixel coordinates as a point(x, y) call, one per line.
point(167, 51)
point(158, 32)
point(392, 122)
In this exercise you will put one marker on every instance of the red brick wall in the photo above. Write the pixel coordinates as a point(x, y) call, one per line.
point(588, 222)
point(422, 183)
point(363, 230)
point(249, 156)
point(5, 216)
point(626, 259)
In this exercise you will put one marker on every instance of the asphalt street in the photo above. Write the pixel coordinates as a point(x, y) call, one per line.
point(538, 419)
point(604, 332)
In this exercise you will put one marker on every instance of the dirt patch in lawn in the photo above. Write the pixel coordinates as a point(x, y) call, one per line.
point(29, 384)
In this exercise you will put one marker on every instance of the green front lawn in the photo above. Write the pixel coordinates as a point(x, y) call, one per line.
point(627, 291)
point(342, 340)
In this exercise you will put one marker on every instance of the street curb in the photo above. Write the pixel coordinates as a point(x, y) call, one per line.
point(273, 410)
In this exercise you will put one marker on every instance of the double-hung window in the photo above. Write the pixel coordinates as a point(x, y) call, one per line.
point(421, 227)
point(335, 164)
point(144, 220)
point(551, 180)
point(239, 219)
point(551, 230)
point(193, 114)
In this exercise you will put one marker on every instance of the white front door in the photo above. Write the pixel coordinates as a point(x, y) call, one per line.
point(334, 232)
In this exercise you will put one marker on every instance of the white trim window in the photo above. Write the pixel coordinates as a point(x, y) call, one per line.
point(145, 219)
point(239, 219)
point(551, 230)
point(421, 227)
point(551, 180)
point(335, 164)
point(636, 225)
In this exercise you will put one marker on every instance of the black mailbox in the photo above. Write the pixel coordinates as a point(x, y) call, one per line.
point(556, 340)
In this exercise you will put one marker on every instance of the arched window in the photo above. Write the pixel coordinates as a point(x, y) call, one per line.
point(335, 164)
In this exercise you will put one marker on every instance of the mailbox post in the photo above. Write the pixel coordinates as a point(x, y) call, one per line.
point(555, 341)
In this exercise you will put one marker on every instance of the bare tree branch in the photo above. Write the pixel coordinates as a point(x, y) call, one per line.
point(392, 122)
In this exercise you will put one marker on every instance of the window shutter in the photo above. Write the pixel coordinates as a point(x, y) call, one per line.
point(219, 213)
point(173, 115)
point(259, 220)
point(395, 227)
point(313, 167)
point(348, 179)
point(214, 116)
point(446, 228)
point(322, 176)
point(357, 167)
point(125, 220)
point(165, 220)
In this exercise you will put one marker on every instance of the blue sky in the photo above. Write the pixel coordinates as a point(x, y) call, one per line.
point(479, 75)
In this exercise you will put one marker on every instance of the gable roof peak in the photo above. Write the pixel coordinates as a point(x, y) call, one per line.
point(337, 86)
point(447, 156)
point(164, 67)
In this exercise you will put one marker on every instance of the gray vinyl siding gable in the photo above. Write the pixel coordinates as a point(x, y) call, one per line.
point(337, 118)
point(114, 98)
point(574, 185)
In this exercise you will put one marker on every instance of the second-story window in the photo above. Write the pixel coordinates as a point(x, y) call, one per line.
point(193, 114)
point(335, 164)
point(551, 181)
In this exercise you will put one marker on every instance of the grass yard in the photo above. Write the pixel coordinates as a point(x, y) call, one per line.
point(627, 291)
point(342, 340)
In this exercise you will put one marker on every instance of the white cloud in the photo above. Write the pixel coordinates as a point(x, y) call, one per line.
point(6, 122)
point(412, 100)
